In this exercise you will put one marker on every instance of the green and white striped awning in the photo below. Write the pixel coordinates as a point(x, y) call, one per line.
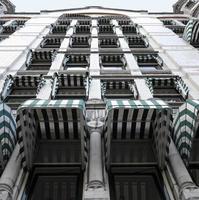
point(7, 133)
point(50, 120)
point(130, 120)
point(185, 128)
point(191, 31)
point(136, 104)
point(53, 103)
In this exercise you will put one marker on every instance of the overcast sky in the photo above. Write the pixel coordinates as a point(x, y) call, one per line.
point(150, 5)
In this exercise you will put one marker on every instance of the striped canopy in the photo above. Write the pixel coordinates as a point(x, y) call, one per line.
point(130, 120)
point(185, 128)
point(191, 32)
point(50, 120)
point(7, 133)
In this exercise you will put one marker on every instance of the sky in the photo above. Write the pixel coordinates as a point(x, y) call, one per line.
point(150, 5)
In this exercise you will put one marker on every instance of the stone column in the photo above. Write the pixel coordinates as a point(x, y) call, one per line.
point(187, 188)
point(95, 157)
point(10, 174)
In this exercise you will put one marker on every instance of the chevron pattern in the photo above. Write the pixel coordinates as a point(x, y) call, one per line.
point(185, 128)
point(7, 133)
point(188, 31)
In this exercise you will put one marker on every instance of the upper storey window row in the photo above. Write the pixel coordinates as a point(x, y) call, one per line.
point(129, 29)
point(150, 63)
point(115, 89)
point(109, 42)
point(74, 16)
point(80, 42)
point(124, 22)
point(112, 61)
point(65, 22)
point(84, 22)
point(76, 61)
point(184, 21)
point(51, 42)
point(58, 29)
point(106, 29)
point(137, 41)
point(82, 29)
point(18, 89)
point(104, 21)
point(174, 26)
point(40, 60)
point(3, 21)
point(6, 30)
point(190, 4)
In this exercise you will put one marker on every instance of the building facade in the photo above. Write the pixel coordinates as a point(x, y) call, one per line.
point(99, 103)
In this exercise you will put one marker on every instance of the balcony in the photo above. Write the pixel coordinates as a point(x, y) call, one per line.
point(58, 30)
point(129, 29)
point(150, 63)
point(70, 86)
point(51, 43)
point(76, 62)
point(106, 29)
point(84, 22)
point(39, 60)
point(104, 21)
point(82, 29)
point(124, 22)
point(172, 90)
point(80, 42)
point(109, 42)
point(20, 89)
point(65, 22)
point(114, 89)
point(137, 42)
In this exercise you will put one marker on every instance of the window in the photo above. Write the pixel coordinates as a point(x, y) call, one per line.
point(149, 63)
point(40, 60)
point(129, 29)
point(8, 30)
point(190, 4)
point(106, 29)
point(51, 42)
point(168, 22)
point(58, 29)
point(80, 42)
point(58, 183)
point(137, 42)
point(184, 21)
point(65, 22)
point(179, 30)
point(108, 42)
point(84, 22)
point(2, 22)
point(104, 21)
point(76, 61)
point(172, 90)
point(115, 89)
point(124, 22)
point(70, 86)
point(171, 24)
point(112, 61)
point(20, 89)
point(82, 29)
